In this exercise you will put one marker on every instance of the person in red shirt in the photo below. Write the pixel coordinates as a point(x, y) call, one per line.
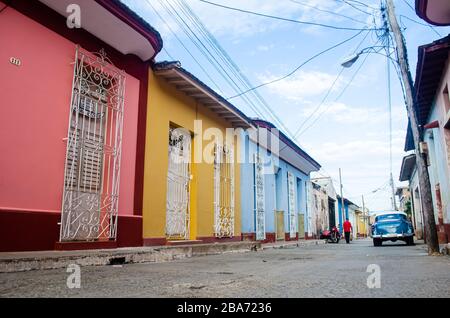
point(347, 229)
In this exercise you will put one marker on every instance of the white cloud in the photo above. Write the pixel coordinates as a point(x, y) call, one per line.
point(301, 85)
point(265, 48)
point(233, 24)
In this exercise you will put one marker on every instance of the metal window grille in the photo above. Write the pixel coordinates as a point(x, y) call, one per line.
point(292, 206)
point(94, 145)
point(223, 191)
point(260, 215)
point(178, 180)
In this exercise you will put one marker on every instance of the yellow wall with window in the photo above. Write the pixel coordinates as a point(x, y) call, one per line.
point(168, 107)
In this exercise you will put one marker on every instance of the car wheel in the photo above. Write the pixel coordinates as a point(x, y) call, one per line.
point(410, 241)
point(377, 242)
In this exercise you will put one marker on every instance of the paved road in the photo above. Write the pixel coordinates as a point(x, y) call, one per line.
point(313, 271)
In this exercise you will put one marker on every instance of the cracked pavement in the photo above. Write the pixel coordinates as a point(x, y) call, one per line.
point(327, 270)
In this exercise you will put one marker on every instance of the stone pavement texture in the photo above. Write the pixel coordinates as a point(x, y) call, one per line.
point(25, 261)
point(325, 270)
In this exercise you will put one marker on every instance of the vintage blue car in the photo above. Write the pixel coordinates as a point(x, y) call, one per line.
point(392, 226)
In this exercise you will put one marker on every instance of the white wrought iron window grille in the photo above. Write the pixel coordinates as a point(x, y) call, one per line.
point(94, 147)
point(292, 211)
point(178, 182)
point(260, 213)
point(224, 191)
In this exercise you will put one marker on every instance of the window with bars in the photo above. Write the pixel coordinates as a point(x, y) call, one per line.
point(87, 137)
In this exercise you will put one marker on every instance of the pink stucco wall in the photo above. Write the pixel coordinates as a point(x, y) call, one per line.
point(34, 113)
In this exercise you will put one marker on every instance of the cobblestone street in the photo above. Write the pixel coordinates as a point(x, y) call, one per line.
point(312, 271)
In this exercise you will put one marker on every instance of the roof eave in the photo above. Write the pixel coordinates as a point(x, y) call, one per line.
point(421, 11)
point(124, 13)
point(203, 93)
point(289, 142)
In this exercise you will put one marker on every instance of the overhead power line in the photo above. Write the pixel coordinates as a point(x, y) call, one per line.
point(195, 30)
point(297, 132)
point(300, 66)
point(336, 99)
point(283, 19)
point(228, 61)
point(358, 3)
point(424, 24)
point(419, 23)
point(225, 76)
point(355, 4)
point(328, 11)
point(184, 46)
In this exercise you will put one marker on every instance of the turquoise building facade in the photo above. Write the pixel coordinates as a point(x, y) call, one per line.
point(274, 176)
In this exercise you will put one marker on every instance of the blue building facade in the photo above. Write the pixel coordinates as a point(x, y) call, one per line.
point(274, 177)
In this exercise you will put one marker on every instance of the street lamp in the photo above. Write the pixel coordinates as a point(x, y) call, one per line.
point(350, 60)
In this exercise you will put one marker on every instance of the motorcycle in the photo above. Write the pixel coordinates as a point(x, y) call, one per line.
point(332, 236)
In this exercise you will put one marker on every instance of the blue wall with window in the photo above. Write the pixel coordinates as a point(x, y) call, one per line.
point(275, 184)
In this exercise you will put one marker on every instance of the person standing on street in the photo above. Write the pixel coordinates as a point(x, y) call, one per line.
point(347, 230)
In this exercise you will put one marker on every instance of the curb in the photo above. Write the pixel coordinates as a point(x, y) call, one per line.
point(295, 244)
point(20, 262)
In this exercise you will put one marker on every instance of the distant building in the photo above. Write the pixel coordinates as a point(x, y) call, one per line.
point(347, 212)
point(404, 196)
point(362, 223)
point(319, 209)
point(330, 202)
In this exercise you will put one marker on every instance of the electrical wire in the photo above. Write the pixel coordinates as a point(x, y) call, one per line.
point(359, 3)
point(283, 19)
point(355, 7)
point(183, 45)
point(339, 96)
point(327, 11)
point(206, 53)
point(298, 67)
point(168, 54)
point(327, 94)
point(419, 23)
point(228, 61)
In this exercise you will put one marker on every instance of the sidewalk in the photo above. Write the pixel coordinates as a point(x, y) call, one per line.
point(292, 244)
point(26, 261)
point(40, 260)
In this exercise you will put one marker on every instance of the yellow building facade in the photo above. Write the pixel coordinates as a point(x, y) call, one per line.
point(191, 185)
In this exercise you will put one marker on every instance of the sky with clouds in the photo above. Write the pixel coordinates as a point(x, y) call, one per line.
point(350, 129)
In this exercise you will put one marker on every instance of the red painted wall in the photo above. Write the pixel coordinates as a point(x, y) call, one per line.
point(34, 112)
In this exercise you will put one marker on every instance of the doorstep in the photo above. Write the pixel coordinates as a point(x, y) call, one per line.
point(26, 261)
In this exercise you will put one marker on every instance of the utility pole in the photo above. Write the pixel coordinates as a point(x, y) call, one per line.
point(342, 199)
point(365, 216)
point(424, 181)
point(394, 201)
point(388, 64)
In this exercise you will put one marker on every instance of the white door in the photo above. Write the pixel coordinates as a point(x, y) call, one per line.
point(178, 177)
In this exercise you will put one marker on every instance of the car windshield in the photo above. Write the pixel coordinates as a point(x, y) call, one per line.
point(388, 217)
